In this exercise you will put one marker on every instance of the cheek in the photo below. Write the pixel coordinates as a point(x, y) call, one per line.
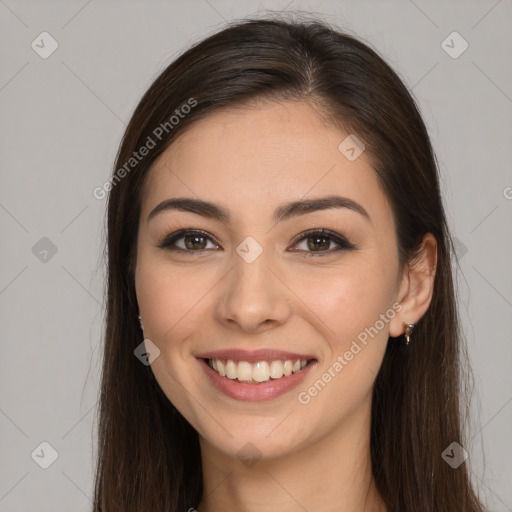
point(168, 301)
point(350, 307)
point(347, 300)
point(168, 294)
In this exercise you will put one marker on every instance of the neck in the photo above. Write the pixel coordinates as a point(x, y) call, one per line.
point(331, 473)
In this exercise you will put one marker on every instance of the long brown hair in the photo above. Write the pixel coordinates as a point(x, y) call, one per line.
point(148, 454)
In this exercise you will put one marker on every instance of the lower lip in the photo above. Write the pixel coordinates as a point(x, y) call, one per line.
point(255, 392)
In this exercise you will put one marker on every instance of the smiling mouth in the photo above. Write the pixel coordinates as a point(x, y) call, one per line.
point(257, 373)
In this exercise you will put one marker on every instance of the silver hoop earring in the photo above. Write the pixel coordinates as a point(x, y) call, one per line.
point(140, 321)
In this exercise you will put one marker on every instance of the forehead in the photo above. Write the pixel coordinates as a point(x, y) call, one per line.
point(252, 159)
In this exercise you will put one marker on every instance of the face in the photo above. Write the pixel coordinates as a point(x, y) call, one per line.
point(254, 286)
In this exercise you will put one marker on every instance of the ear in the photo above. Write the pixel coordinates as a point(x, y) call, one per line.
point(416, 287)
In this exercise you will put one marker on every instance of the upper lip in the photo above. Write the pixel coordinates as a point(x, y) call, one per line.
point(254, 356)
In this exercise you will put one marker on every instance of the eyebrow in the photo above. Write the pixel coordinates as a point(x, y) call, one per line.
point(282, 213)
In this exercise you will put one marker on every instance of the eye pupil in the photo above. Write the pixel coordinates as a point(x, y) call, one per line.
point(315, 246)
point(195, 238)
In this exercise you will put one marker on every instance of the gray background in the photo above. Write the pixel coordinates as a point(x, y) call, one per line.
point(61, 121)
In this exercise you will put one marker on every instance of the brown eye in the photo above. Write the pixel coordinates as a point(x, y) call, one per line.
point(321, 241)
point(317, 243)
point(187, 241)
point(194, 242)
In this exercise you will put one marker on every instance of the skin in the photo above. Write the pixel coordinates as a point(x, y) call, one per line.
point(314, 456)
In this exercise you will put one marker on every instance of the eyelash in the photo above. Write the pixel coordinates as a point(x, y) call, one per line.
point(342, 242)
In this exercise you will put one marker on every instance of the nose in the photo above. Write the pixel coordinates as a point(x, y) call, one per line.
point(252, 296)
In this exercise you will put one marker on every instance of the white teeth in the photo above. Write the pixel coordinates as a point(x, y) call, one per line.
point(261, 371)
point(276, 369)
point(244, 371)
point(231, 370)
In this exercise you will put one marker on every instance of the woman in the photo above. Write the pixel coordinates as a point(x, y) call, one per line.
point(282, 331)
